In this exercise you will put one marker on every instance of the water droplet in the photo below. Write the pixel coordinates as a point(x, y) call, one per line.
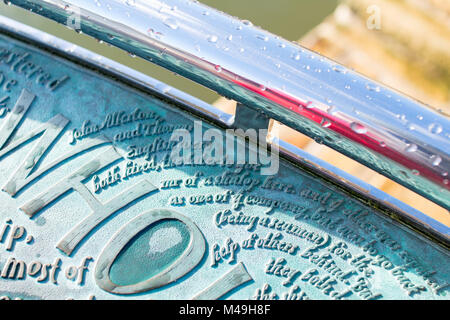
point(372, 87)
point(171, 23)
point(415, 172)
point(332, 110)
point(436, 160)
point(262, 88)
point(205, 13)
point(296, 56)
point(247, 23)
point(164, 88)
point(130, 2)
point(230, 37)
point(382, 144)
point(241, 50)
point(435, 128)
point(445, 181)
point(212, 39)
point(239, 28)
point(411, 148)
point(339, 69)
point(262, 37)
point(348, 87)
point(218, 68)
point(282, 45)
point(358, 128)
point(154, 34)
point(420, 117)
point(325, 123)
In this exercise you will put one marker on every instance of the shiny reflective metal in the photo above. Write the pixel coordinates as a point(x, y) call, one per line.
point(397, 136)
point(348, 240)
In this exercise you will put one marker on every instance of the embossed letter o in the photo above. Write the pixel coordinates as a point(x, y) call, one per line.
point(191, 256)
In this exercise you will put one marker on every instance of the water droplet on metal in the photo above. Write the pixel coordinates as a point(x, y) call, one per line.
point(171, 23)
point(154, 34)
point(325, 123)
point(436, 160)
point(212, 38)
point(415, 172)
point(230, 37)
point(382, 144)
point(339, 69)
point(130, 2)
point(358, 128)
point(332, 110)
point(435, 128)
point(218, 68)
point(372, 87)
point(411, 148)
point(262, 37)
point(247, 23)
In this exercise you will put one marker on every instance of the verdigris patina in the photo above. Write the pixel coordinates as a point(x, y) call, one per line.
point(92, 205)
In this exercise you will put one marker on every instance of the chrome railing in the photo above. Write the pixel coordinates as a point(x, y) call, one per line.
point(392, 134)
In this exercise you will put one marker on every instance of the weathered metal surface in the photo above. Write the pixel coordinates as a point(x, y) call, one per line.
point(92, 207)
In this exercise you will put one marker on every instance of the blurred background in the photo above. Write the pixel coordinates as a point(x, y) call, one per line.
point(404, 44)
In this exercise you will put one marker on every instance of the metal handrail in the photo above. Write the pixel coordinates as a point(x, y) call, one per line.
point(388, 132)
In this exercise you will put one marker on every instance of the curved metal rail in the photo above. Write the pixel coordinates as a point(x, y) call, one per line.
point(394, 135)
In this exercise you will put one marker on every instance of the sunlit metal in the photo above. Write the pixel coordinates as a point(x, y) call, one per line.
point(375, 125)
